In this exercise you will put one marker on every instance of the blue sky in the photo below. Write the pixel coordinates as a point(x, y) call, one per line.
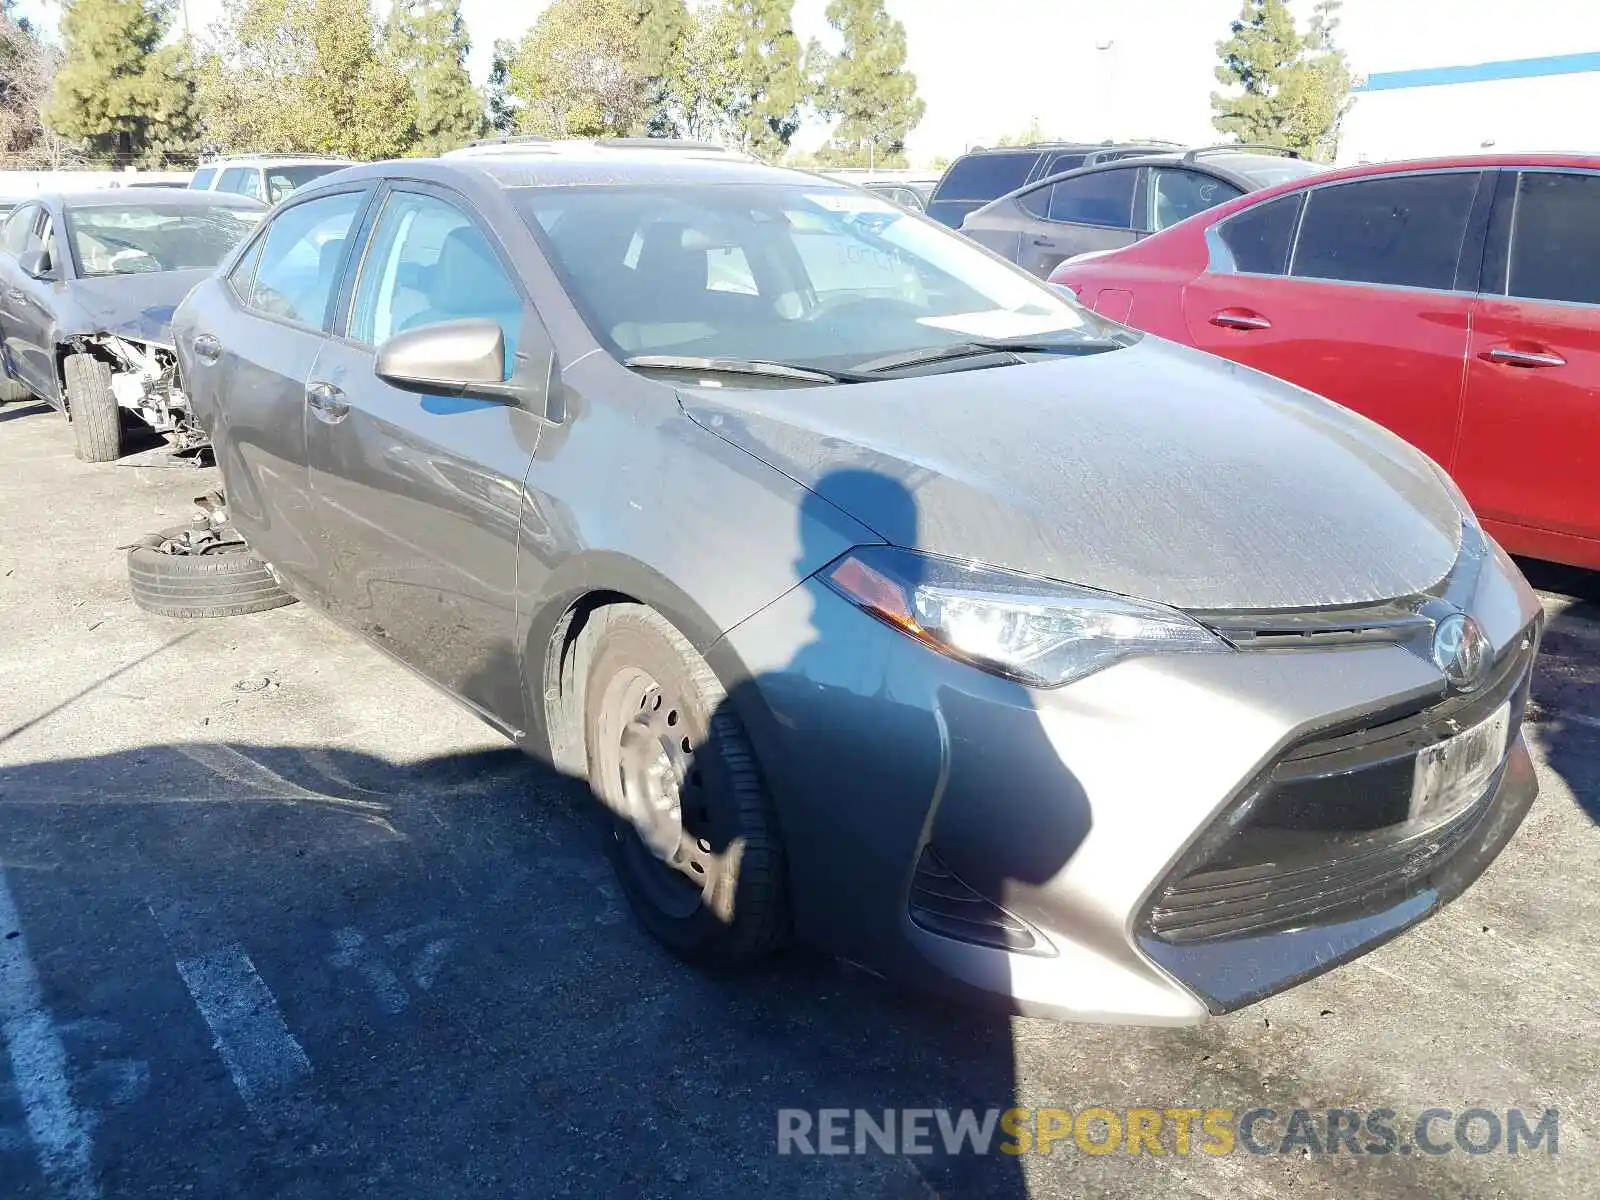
point(1085, 68)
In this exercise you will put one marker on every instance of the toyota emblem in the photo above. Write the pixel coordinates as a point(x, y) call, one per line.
point(1461, 651)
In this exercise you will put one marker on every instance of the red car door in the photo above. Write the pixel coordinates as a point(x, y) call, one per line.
point(1529, 452)
point(1349, 289)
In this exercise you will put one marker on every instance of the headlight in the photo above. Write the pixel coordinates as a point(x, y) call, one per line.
point(1035, 631)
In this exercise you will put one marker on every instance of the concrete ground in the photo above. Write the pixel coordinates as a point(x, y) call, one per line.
point(277, 920)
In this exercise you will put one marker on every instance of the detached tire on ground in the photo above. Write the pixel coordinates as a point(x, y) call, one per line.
point(92, 405)
point(219, 577)
point(695, 842)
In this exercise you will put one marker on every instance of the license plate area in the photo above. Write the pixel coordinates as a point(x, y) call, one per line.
point(1452, 775)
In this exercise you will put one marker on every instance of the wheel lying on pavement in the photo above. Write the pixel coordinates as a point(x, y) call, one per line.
point(201, 571)
point(695, 842)
point(92, 405)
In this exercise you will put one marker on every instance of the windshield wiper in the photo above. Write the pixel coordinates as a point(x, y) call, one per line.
point(978, 347)
point(741, 366)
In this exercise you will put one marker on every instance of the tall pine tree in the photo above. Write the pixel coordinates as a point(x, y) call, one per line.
point(427, 40)
point(119, 90)
point(770, 83)
point(665, 28)
point(866, 86)
point(1288, 89)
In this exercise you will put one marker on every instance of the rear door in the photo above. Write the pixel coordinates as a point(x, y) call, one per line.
point(253, 355)
point(1359, 291)
point(1091, 211)
point(1529, 453)
point(419, 496)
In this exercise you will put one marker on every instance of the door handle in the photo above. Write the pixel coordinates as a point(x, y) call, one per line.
point(1045, 243)
point(327, 402)
point(207, 349)
point(1512, 357)
point(1240, 318)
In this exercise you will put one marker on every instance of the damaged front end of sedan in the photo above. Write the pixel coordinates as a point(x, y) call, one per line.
point(146, 383)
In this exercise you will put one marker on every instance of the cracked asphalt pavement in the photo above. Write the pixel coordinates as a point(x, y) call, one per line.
point(278, 920)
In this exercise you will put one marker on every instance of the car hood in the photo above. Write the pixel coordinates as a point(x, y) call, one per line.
point(137, 306)
point(1154, 471)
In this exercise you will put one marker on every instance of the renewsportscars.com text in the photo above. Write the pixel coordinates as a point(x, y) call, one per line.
point(1099, 1130)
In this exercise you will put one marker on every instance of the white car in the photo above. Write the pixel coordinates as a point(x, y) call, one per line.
point(268, 178)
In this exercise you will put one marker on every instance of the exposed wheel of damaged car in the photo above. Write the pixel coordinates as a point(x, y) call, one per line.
point(201, 571)
point(884, 596)
point(695, 841)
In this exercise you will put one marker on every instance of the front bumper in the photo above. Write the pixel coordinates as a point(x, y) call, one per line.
point(958, 831)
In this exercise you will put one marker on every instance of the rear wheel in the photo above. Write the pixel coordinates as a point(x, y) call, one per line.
point(92, 405)
point(201, 572)
point(695, 843)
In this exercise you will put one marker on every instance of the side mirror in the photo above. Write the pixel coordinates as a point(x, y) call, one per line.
point(36, 263)
point(464, 358)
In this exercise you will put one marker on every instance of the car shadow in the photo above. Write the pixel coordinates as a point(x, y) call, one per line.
point(1565, 714)
point(19, 409)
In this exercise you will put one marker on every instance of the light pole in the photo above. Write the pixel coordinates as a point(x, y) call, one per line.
point(1108, 49)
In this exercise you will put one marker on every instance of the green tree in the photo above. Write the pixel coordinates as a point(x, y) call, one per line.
point(866, 86)
point(1287, 88)
point(769, 85)
point(664, 28)
point(578, 72)
point(713, 77)
point(498, 102)
point(427, 40)
point(119, 90)
point(304, 76)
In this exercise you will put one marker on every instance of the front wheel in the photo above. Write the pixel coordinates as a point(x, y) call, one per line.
point(92, 405)
point(695, 843)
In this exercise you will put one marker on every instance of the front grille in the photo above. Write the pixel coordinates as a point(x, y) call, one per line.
point(941, 903)
point(1325, 833)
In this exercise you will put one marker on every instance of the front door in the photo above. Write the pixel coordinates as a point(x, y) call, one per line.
point(251, 363)
point(1368, 313)
point(14, 238)
point(419, 496)
point(1529, 454)
point(31, 304)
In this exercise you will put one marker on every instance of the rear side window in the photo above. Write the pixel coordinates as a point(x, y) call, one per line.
point(203, 177)
point(1101, 198)
point(235, 179)
point(1257, 241)
point(1555, 240)
point(986, 176)
point(1404, 231)
point(300, 257)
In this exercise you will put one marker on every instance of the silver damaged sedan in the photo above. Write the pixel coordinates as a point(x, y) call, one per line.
point(887, 600)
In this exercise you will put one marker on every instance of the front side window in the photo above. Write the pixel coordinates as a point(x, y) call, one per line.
point(1403, 231)
point(1099, 198)
point(202, 178)
point(793, 272)
point(138, 239)
point(250, 185)
point(1181, 194)
point(283, 180)
point(427, 264)
point(1555, 240)
point(1063, 163)
point(300, 257)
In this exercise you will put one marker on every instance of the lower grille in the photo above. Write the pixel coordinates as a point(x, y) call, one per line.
point(942, 904)
point(1325, 833)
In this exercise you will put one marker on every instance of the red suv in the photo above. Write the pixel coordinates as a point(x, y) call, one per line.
point(1456, 301)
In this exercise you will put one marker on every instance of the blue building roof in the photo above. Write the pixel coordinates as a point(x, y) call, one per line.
point(1511, 68)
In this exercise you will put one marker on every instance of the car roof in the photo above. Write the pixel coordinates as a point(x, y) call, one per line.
point(576, 167)
point(274, 160)
point(169, 197)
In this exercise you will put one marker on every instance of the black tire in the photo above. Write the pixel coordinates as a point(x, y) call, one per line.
point(229, 581)
point(726, 900)
point(92, 405)
point(13, 390)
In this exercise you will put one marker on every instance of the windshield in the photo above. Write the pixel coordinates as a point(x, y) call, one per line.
point(132, 239)
point(283, 180)
point(803, 274)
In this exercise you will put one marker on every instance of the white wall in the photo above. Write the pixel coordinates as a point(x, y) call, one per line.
point(16, 184)
point(1555, 112)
